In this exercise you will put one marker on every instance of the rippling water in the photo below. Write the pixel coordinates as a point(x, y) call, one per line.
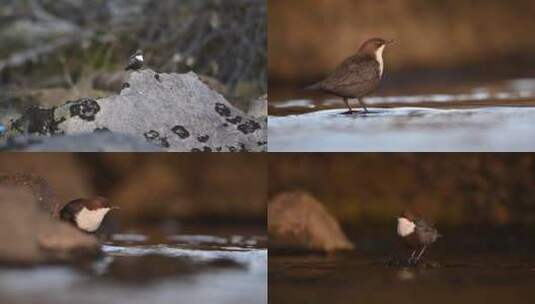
point(482, 119)
point(491, 266)
point(138, 269)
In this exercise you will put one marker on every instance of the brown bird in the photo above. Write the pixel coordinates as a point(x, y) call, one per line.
point(358, 75)
point(416, 233)
point(86, 214)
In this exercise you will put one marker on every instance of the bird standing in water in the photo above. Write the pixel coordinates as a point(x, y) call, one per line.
point(417, 234)
point(358, 75)
point(136, 61)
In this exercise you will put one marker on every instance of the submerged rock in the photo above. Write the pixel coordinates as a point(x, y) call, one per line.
point(30, 235)
point(298, 221)
point(176, 112)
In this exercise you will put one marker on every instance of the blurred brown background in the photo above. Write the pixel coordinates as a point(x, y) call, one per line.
point(152, 187)
point(450, 189)
point(436, 41)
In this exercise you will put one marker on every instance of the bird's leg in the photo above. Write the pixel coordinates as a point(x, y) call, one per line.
point(348, 106)
point(421, 253)
point(412, 256)
point(363, 105)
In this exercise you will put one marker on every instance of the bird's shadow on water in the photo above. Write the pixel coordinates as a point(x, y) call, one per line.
point(152, 268)
point(386, 112)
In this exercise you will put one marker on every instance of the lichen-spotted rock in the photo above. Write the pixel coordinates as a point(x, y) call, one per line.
point(177, 112)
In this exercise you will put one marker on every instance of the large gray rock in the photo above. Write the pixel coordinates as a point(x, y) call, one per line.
point(30, 235)
point(297, 221)
point(177, 112)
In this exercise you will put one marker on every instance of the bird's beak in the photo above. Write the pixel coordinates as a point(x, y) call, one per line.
point(388, 42)
point(115, 208)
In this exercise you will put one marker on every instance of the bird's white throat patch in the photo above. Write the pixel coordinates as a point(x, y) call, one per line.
point(405, 227)
point(139, 57)
point(379, 58)
point(90, 220)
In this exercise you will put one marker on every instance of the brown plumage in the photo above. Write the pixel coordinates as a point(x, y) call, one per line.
point(416, 233)
point(358, 75)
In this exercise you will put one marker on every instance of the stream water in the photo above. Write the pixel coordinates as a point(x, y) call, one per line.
point(487, 118)
point(484, 267)
point(144, 268)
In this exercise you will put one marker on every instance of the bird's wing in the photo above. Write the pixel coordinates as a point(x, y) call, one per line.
point(132, 61)
point(424, 226)
point(356, 69)
point(67, 211)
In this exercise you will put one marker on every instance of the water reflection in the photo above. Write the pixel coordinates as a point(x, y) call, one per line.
point(134, 269)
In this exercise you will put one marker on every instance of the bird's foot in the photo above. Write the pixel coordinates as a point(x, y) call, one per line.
point(354, 112)
point(413, 261)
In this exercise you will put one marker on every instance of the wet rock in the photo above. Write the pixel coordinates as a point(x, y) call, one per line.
point(101, 140)
point(30, 235)
point(148, 106)
point(297, 221)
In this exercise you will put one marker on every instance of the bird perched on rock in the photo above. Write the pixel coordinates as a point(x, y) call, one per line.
point(136, 61)
point(417, 234)
point(358, 75)
point(86, 214)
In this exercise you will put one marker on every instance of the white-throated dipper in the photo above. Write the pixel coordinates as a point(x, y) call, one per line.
point(358, 75)
point(416, 233)
point(136, 61)
point(86, 213)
